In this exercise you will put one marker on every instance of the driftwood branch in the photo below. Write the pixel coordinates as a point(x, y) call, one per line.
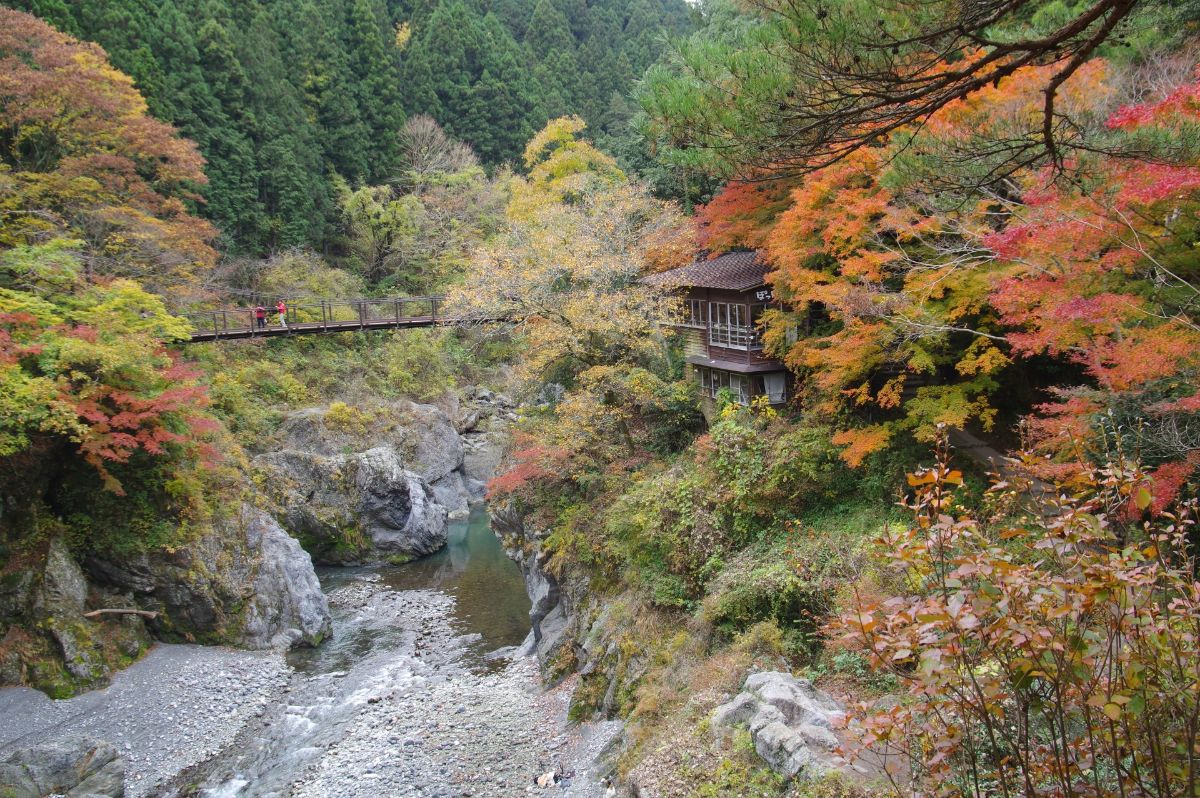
point(120, 611)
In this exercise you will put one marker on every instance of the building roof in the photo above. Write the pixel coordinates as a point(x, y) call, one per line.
point(764, 366)
point(735, 271)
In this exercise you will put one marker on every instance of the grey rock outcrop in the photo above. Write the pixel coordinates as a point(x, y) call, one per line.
point(791, 723)
point(360, 484)
point(78, 767)
point(288, 606)
point(240, 581)
point(547, 614)
point(398, 508)
point(46, 593)
point(424, 436)
point(451, 492)
point(357, 507)
point(59, 605)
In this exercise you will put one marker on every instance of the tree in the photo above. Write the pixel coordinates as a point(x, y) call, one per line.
point(427, 152)
point(566, 278)
point(92, 196)
point(382, 230)
point(913, 308)
point(492, 79)
point(796, 86)
point(567, 272)
point(374, 68)
point(82, 159)
point(415, 234)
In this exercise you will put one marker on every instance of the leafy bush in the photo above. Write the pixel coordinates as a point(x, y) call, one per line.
point(1059, 649)
point(755, 590)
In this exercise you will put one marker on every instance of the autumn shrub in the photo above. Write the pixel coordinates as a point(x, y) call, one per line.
point(418, 363)
point(760, 472)
point(796, 580)
point(756, 590)
point(1053, 649)
point(346, 418)
point(741, 774)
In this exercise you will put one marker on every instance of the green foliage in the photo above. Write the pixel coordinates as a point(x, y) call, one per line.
point(416, 235)
point(797, 579)
point(770, 589)
point(493, 78)
point(251, 386)
point(741, 774)
point(287, 98)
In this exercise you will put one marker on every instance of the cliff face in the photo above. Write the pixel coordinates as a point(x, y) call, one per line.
point(575, 629)
point(239, 580)
point(352, 484)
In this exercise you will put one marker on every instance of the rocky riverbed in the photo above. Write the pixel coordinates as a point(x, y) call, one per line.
point(175, 707)
point(420, 691)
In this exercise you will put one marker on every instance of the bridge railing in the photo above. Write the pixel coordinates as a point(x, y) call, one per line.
point(326, 314)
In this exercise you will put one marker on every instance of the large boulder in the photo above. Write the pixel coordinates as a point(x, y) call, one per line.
point(288, 606)
point(77, 767)
point(45, 638)
point(424, 436)
point(351, 508)
point(791, 723)
point(451, 492)
point(58, 607)
point(241, 580)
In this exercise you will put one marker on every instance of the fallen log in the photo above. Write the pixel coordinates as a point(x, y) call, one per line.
point(120, 611)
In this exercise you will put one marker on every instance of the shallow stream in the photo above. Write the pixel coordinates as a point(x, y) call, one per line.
point(400, 634)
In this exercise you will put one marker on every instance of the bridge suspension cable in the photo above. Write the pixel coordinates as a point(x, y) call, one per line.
point(337, 315)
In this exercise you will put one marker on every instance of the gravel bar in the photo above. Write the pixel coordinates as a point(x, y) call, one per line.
point(175, 707)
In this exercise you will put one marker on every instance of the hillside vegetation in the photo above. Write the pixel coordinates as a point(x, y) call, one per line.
point(292, 104)
point(983, 226)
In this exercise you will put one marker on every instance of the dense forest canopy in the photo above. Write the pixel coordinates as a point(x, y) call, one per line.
point(293, 103)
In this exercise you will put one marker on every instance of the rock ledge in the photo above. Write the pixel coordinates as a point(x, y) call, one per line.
point(790, 721)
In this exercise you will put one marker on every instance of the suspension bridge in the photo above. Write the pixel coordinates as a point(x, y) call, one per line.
point(326, 316)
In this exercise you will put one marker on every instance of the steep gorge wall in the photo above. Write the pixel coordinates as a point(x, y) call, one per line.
point(353, 484)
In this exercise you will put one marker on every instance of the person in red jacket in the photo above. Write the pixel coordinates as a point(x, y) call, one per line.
point(281, 308)
point(260, 314)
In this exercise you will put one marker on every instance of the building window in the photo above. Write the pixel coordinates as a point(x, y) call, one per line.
point(743, 387)
point(730, 326)
point(739, 386)
point(695, 313)
point(772, 386)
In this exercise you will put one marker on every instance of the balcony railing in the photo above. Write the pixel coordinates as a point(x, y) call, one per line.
point(733, 336)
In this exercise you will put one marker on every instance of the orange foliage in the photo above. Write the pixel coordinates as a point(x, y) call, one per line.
point(741, 214)
point(1095, 271)
point(861, 442)
point(84, 158)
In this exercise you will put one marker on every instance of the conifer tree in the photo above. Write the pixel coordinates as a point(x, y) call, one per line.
point(374, 67)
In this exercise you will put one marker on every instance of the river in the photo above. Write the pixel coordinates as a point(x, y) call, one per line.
point(420, 691)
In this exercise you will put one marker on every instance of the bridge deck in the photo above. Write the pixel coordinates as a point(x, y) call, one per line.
point(273, 329)
point(327, 316)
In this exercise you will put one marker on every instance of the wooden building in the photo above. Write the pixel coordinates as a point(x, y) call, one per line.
point(723, 300)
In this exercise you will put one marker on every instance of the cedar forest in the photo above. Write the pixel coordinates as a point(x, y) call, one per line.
point(982, 221)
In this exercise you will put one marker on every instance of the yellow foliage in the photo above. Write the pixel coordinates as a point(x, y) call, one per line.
point(403, 35)
point(982, 357)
